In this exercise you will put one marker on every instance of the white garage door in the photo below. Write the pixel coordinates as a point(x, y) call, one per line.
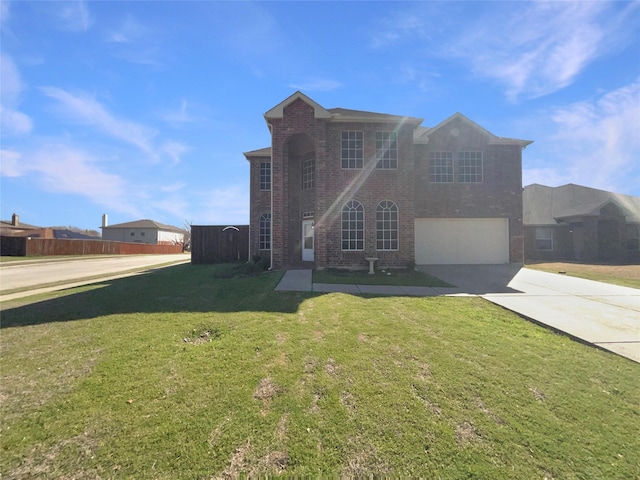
point(461, 241)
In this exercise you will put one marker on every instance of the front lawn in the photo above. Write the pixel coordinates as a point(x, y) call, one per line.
point(624, 275)
point(183, 374)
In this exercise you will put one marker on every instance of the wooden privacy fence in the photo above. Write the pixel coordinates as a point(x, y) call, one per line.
point(219, 244)
point(24, 246)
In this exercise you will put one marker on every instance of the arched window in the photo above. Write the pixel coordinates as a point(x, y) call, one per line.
point(265, 232)
point(387, 226)
point(353, 226)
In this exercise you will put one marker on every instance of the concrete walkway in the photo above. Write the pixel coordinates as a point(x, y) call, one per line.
point(601, 314)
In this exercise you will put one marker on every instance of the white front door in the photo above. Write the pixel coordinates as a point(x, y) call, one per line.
point(307, 240)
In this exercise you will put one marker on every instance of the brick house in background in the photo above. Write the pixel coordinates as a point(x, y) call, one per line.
point(16, 228)
point(142, 231)
point(577, 223)
point(338, 186)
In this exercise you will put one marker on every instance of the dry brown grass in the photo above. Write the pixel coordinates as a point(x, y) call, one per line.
point(625, 275)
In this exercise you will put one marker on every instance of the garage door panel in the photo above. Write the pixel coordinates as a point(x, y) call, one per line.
point(450, 241)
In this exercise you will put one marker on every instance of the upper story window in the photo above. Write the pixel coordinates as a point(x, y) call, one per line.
point(353, 226)
point(308, 173)
point(470, 167)
point(352, 149)
point(265, 232)
point(387, 150)
point(441, 167)
point(387, 226)
point(544, 238)
point(265, 176)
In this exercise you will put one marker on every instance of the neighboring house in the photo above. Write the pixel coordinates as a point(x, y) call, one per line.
point(582, 224)
point(142, 231)
point(15, 228)
point(338, 186)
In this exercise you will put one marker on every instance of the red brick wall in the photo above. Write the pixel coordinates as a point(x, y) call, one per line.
point(498, 196)
point(369, 186)
point(260, 203)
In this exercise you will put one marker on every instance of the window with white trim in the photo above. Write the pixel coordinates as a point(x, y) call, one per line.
point(308, 173)
point(352, 149)
point(353, 226)
point(544, 238)
point(441, 167)
point(470, 167)
point(265, 232)
point(265, 176)
point(387, 226)
point(387, 150)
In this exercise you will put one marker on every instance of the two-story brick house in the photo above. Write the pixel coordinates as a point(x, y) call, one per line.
point(338, 186)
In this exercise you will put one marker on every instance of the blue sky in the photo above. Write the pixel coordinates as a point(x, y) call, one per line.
point(143, 109)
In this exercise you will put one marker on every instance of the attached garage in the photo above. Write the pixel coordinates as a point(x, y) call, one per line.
point(461, 241)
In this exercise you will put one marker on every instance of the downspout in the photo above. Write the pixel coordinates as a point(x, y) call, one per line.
point(271, 198)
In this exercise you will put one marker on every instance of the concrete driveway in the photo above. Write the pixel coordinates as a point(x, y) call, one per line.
point(598, 313)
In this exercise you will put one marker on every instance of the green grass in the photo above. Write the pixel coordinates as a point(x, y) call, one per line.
point(381, 277)
point(183, 374)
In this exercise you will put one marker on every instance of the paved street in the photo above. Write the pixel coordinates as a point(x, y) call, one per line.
point(25, 274)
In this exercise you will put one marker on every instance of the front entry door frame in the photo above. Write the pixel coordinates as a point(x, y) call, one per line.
point(308, 240)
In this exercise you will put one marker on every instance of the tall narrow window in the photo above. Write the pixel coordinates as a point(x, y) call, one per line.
point(352, 149)
point(265, 232)
point(265, 176)
point(470, 167)
point(308, 173)
point(387, 150)
point(441, 167)
point(387, 226)
point(353, 226)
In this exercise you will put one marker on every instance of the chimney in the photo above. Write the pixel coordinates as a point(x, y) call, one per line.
point(15, 220)
point(105, 220)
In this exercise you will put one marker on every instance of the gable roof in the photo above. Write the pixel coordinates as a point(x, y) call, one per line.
point(278, 110)
point(422, 134)
point(262, 152)
point(347, 115)
point(20, 226)
point(151, 224)
point(548, 205)
point(65, 233)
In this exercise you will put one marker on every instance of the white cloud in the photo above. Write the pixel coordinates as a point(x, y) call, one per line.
point(532, 48)
point(134, 43)
point(130, 30)
point(72, 15)
point(594, 143)
point(226, 205)
point(4, 11)
point(10, 163)
point(63, 169)
point(317, 85)
point(87, 110)
point(179, 116)
point(535, 50)
point(174, 150)
point(12, 121)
